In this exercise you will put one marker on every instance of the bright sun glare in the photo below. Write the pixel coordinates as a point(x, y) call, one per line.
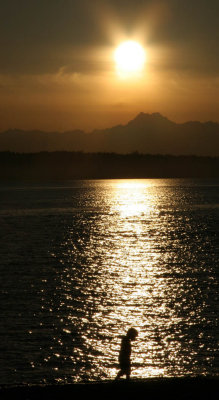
point(129, 57)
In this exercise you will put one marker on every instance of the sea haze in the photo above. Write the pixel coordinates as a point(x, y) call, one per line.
point(83, 261)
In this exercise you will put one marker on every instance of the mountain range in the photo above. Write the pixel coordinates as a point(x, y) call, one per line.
point(146, 133)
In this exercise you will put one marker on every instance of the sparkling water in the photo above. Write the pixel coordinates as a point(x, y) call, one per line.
point(83, 261)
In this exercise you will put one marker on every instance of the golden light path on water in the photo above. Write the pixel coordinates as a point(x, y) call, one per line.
point(133, 268)
point(101, 257)
point(128, 269)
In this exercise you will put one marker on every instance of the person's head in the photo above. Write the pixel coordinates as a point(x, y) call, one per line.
point(132, 333)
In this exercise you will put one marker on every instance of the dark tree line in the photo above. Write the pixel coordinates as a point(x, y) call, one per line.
point(78, 165)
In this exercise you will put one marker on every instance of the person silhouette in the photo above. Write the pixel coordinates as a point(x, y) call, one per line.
point(125, 354)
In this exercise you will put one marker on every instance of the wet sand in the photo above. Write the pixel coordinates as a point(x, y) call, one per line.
point(170, 388)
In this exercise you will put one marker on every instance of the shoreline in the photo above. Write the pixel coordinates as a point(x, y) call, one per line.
point(171, 388)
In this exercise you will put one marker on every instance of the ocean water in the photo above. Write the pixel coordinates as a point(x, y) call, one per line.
point(83, 261)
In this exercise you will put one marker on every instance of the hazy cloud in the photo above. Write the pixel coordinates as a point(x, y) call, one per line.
point(57, 69)
point(40, 36)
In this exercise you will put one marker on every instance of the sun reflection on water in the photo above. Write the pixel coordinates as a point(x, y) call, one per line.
point(100, 257)
point(125, 269)
point(130, 198)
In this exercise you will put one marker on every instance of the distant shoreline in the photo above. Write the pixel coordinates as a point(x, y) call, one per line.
point(153, 388)
point(63, 165)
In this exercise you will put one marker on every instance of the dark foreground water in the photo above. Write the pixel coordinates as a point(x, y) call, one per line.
point(83, 261)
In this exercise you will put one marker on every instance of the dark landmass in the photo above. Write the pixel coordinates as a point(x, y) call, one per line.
point(147, 133)
point(169, 388)
point(77, 165)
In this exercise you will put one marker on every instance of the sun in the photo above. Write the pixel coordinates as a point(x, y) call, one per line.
point(130, 57)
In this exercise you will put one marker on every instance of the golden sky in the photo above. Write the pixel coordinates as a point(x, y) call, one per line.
point(57, 67)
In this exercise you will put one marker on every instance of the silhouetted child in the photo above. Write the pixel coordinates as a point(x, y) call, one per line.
point(125, 353)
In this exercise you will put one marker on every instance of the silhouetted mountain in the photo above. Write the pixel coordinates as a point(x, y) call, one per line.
point(146, 133)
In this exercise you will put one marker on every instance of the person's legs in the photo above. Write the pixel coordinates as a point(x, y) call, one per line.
point(128, 376)
point(120, 373)
point(124, 371)
point(128, 373)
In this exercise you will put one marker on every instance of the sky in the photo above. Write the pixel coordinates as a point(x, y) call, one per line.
point(58, 73)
